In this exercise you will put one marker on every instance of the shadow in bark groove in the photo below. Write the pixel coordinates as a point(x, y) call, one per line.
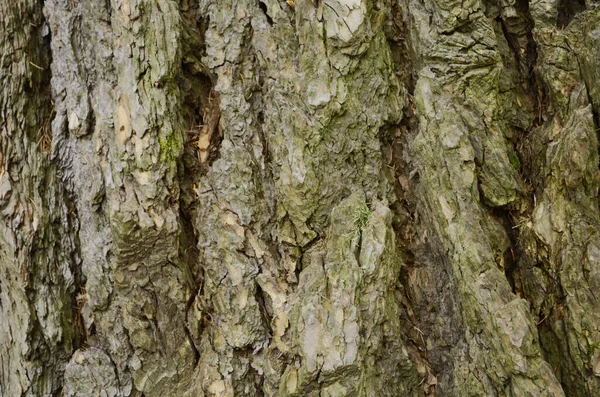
point(419, 327)
point(567, 9)
point(265, 11)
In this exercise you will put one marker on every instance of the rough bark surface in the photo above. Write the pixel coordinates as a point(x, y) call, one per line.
point(299, 198)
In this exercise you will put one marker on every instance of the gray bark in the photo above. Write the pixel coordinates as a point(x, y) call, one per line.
point(309, 198)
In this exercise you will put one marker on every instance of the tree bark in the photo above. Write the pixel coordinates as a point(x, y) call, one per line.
point(299, 198)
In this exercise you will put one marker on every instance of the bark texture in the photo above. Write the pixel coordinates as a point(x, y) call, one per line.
point(299, 198)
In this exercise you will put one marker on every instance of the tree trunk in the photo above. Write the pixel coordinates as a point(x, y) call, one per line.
point(309, 198)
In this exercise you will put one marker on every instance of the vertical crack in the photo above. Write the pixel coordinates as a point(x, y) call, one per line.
point(395, 141)
point(200, 114)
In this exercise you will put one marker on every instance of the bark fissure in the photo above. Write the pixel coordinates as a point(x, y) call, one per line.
point(567, 11)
